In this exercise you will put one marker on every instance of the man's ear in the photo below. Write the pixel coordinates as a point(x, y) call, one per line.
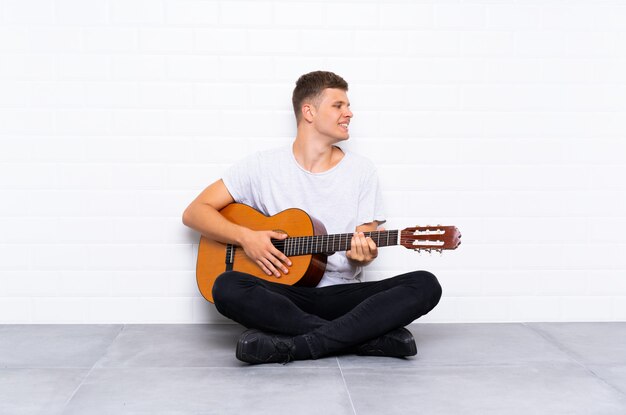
point(308, 111)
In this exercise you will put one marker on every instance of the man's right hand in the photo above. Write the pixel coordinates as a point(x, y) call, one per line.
point(259, 248)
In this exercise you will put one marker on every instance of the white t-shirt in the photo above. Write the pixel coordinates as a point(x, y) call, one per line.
point(342, 198)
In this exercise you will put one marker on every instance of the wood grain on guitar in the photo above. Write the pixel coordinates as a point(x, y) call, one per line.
point(307, 246)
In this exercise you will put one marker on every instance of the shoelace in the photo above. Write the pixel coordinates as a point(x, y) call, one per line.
point(284, 349)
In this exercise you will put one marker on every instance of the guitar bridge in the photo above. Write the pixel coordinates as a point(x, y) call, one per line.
point(230, 256)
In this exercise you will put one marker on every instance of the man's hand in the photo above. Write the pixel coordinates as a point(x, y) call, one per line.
point(259, 248)
point(362, 250)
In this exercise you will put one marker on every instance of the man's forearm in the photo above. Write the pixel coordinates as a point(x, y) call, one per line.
point(210, 223)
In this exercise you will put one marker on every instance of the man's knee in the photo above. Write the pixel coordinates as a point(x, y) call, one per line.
point(428, 285)
point(226, 286)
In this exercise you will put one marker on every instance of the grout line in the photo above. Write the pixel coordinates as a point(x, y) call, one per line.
point(67, 402)
point(573, 356)
point(346, 386)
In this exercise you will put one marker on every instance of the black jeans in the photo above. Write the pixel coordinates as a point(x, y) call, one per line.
point(332, 319)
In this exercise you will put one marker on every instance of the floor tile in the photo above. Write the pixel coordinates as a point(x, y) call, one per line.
point(614, 375)
point(176, 345)
point(256, 389)
point(37, 391)
point(54, 346)
point(469, 344)
point(593, 343)
point(531, 389)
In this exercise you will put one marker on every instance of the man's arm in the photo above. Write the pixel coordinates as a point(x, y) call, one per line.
point(363, 250)
point(203, 216)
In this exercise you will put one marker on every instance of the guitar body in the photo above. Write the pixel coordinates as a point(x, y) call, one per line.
point(213, 257)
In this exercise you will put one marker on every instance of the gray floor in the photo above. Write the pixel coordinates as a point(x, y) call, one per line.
point(558, 368)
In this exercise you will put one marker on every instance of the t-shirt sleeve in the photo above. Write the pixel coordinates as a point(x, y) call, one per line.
point(239, 180)
point(371, 207)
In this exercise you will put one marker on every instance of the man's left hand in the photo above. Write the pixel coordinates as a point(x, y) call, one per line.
point(363, 250)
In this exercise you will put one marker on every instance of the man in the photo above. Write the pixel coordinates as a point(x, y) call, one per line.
point(340, 189)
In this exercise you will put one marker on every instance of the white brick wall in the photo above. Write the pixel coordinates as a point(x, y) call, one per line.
point(505, 118)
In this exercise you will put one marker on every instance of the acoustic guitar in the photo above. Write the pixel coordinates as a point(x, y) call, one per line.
point(307, 246)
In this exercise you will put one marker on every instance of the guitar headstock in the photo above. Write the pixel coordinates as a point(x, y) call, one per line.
point(430, 238)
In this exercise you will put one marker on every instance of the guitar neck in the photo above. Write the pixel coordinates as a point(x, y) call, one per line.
point(326, 244)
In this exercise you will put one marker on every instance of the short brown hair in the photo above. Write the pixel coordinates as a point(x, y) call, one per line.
point(311, 85)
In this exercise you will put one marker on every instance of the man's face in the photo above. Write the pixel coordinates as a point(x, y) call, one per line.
point(332, 114)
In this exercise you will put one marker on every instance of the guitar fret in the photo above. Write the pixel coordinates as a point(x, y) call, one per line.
point(325, 244)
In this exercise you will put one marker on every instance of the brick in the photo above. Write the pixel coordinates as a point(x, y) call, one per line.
point(354, 15)
point(271, 96)
point(227, 41)
point(78, 12)
point(112, 202)
point(59, 310)
point(195, 122)
point(536, 309)
point(15, 310)
point(27, 176)
point(433, 43)
point(508, 16)
point(58, 203)
point(81, 122)
point(138, 67)
point(165, 149)
point(86, 283)
point(540, 44)
point(454, 16)
point(274, 42)
point(587, 308)
point(57, 94)
point(191, 12)
point(514, 70)
point(487, 43)
point(299, 14)
point(379, 43)
point(166, 40)
point(169, 203)
point(29, 67)
point(111, 95)
point(30, 283)
point(141, 122)
point(17, 12)
point(193, 68)
point(236, 68)
point(137, 11)
point(331, 42)
point(15, 257)
point(84, 67)
point(165, 95)
point(483, 309)
point(220, 95)
point(567, 17)
point(407, 15)
point(432, 70)
point(58, 257)
point(246, 13)
point(40, 40)
point(110, 39)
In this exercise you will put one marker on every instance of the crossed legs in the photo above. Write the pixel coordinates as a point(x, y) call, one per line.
point(330, 319)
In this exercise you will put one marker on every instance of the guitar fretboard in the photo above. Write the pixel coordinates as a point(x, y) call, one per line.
point(326, 244)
